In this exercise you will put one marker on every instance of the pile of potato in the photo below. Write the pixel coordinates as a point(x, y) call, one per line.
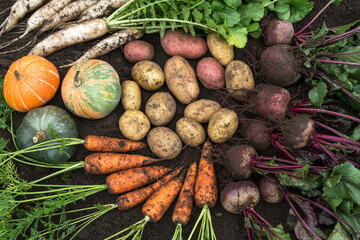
point(216, 72)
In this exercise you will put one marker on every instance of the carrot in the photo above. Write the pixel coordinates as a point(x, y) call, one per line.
point(109, 44)
point(154, 207)
point(134, 198)
point(71, 35)
point(104, 163)
point(184, 204)
point(18, 11)
point(108, 144)
point(66, 14)
point(206, 193)
point(131, 179)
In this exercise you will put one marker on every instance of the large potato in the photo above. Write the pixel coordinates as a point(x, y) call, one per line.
point(130, 95)
point(220, 49)
point(201, 110)
point(210, 73)
point(190, 131)
point(160, 108)
point(138, 50)
point(134, 125)
point(148, 75)
point(183, 44)
point(222, 125)
point(238, 76)
point(181, 79)
point(164, 142)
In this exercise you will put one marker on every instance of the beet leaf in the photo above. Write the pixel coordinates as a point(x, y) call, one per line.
point(339, 233)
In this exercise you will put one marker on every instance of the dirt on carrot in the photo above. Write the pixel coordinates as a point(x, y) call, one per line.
point(107, 144)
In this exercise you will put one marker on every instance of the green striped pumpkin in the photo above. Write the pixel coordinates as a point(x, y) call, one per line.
point(91, 89)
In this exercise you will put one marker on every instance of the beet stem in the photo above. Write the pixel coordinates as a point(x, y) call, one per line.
point(285, 153)
point(338, 145)
point(317, 15)
point(335, 62)
point(314, 110)
point(329, 128)
point(300, 218)
point(335, 139)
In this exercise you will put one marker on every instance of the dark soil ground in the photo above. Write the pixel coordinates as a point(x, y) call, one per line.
point(227, 226)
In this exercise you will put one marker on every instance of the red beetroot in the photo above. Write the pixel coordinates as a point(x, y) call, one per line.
point(297, 131)
point(238, 161)
point(272, 102)
point(257, 133)
point(279, 65)
point(270, 191)
point(279, 32)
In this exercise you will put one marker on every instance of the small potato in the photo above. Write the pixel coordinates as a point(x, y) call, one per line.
point(201, 110)
point(164, 142)
point(222, 125)
point(210, 73)
point(130, 95)
point(160, 108)
point(181, 79)
point(138, 50)
point(148, 75)
point(238, 76)
point(183, 44)
point(190, 131)
point(134, 125)
point(220, 49)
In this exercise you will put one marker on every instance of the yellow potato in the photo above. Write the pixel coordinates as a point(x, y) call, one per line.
point(220, 49)
point(181, 79)
point(238, 76)
point(130, 95)
point(148, 75)
point(164, 142)
point(222, 125)
point(134, 125)
point(160, 108)
point(201, 110)
point(190, 131)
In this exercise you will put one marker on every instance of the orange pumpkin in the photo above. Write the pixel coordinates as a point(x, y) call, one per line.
point(30, 82)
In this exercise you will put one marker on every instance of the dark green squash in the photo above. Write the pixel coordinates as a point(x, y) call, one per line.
point(45, 123)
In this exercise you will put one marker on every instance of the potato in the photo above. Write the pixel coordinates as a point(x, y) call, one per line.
point(148, 75)
point(130, 95)
point(190, 131)
point(160, 108)
point(210, 73)
point(134, 124)
point(201, 110)
point(222, 125)
point(138, 50)
point(164, 142)
point(181, 79)
point(183, 44)
point(238, 75)
point(220, 49)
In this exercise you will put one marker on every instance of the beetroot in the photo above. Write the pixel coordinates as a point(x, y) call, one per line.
point(279, 32)
point(272, 102)
point(297, 132)
point(257, 133)
point(270, 191)
point(279, 65)
point(238, 196)
point(238, 160)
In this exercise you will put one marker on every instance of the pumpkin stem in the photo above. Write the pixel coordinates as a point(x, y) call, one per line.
point(77, 80)
point(40, 136)
point(18, 76)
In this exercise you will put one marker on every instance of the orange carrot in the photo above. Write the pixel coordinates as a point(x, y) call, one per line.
point(131, 179)
point(108, 144)
point(104, 163)
point(184, 204)
point(205, 186)
point(134, 198)
point(206, 193)
point(156, 205)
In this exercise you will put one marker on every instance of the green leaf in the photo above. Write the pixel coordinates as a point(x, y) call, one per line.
point(233, 3)
point(251, 12)
point(344, 28)
point(217, 5)
point(352, 55)
point(318, 93)
point(339, 233)
point(197, 16)
point(299, 9)
point(356, 134)
point(229, 17)
point(237, 36)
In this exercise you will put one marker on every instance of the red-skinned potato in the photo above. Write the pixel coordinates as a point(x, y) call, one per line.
point(138, 50)
point(210, 73)
point(183, 44)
